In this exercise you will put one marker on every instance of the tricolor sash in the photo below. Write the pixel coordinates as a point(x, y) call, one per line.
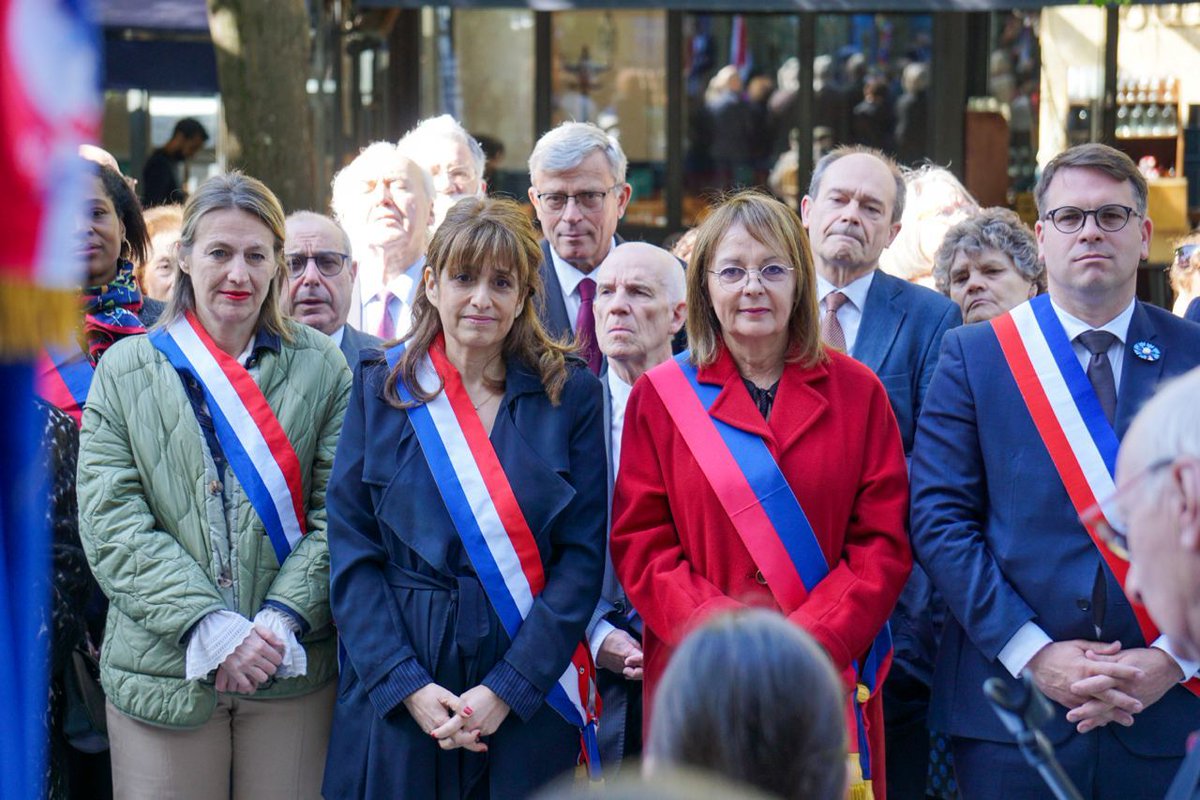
point(1068, 416)
point(255, 444)
point(492, 526)
point(63, 379)
point(767, 516)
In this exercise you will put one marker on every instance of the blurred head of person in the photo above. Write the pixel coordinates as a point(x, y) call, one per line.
point(187, 138)
point(751, 281)
point(1155, 512)
point(578, 190)
point(774, 720)
point(384, 200)
point(110, 230)
point(231, 271)
point(667, 783)
point(988, 264)
point(639, 307)
point(1184, 273)
point(451, 156)
point(156, 275)
point(934, 202)
point(321, 271)
point(480, 296)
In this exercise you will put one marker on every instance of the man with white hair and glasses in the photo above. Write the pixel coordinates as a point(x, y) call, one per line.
point(451, 156)
point(578, 190)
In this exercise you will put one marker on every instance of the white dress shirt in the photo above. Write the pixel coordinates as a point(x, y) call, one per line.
point(1030, 638)
point(404, 290)
point(849, 316)
point(619, 390)
point(569, 277)
point(338, 335)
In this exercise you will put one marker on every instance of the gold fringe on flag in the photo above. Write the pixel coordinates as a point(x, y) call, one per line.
point(32, 316)
point(859, 789)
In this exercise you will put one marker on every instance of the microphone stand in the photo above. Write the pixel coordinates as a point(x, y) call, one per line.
point(1023, 710)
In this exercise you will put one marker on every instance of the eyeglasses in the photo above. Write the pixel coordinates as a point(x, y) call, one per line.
point(736, 277)
point(588, 201)
point(1106, 518)
point(329, 263)
point(1111, 217)
point(1184, 253)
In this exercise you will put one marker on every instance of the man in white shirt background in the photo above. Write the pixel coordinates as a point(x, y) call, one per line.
point(451, 156)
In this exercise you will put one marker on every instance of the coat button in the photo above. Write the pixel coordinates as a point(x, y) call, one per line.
point(619, 605)
point(758, 576)
point(1084, 604)
point(224, 581)
point(214, 487)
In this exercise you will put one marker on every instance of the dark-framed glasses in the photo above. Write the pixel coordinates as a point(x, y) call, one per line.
point(1107, 517)
point(1184, 253)
point(736, 277)
point(329, 262)
point(589, 201)
point(1111, 217)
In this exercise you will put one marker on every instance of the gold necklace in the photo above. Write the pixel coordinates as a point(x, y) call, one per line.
point(485, 401)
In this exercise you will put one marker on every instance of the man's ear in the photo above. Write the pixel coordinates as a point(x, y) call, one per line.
point(1185, 474)
point(678, 316)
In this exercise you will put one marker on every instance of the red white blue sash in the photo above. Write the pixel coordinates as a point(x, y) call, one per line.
point(764, 511)
point(63, 379)
point(493, 529)
point(258, 449)
point(1069, 418)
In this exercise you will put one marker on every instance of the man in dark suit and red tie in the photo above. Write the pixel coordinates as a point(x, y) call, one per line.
point(578, 190)
point(1017, 440)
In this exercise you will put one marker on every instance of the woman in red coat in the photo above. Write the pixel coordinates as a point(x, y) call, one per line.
point(759, 399)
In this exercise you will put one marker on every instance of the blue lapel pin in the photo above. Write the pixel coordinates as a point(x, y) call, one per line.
point(1146, 351)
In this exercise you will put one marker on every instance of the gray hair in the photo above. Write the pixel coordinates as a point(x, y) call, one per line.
point(566, 146)
point(372, 161)
point(814, 184)
point(1169, 424)
point(443, 127)
point(1093, 155)
point(310, 216)
point(990, 229)
point(904, 257)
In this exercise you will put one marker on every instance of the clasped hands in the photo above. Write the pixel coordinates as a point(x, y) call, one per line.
point(1101, 683)
point(252, 663)
point(457, 720)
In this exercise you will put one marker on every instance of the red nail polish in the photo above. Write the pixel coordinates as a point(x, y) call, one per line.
point(467, 711)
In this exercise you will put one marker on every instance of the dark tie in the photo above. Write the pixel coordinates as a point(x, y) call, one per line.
point(831, 330)
point(585, 326)
point(1099, 369)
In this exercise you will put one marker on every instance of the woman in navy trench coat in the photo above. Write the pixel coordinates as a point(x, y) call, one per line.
point(421, 642)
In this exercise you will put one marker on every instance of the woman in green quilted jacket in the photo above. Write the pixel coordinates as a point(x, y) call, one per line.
point(204, 456)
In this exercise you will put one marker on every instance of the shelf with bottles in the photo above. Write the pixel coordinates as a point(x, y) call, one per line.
point(1147, 107)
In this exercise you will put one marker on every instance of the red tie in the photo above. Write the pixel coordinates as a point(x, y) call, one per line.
point(387, 325)
point(585, 326)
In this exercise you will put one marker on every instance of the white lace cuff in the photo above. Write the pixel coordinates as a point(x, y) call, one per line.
point(215, 637)
point(295, 660)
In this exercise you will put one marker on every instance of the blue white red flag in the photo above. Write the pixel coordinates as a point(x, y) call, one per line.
point(257, 447)
point(492, 526)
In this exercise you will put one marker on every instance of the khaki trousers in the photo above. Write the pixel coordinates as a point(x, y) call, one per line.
point(248, 750)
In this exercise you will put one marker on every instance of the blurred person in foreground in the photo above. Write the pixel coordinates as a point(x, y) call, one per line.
point(156, 275)
point(988, 264)
point(321, 271)
point(773, 720)
point(934, 201)
point(468, 550)
point(203, 463)
point(759, 407)
point(111, 237)
point(451, 156)
point(384, 201)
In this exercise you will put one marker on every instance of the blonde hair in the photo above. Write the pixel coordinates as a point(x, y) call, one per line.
point(776, 225)
point(478, 232)
point(159, 219)
point(233, 190)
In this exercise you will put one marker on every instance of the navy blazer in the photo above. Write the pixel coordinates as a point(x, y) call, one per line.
point(355, 341)
point(409, 607)
point(1192, 313)
point(553, 309)
point(995, 530)
point(899, 338)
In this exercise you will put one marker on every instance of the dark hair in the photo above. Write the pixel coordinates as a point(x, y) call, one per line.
point(1093, 155)
point(814, 183)
point(774, 720)
point(136, 247)
point(190, 128)
point(478, 232)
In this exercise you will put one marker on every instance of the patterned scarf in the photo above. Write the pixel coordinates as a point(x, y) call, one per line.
point(110, 311)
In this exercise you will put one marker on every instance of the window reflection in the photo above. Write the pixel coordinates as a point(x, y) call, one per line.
point(609, 68)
